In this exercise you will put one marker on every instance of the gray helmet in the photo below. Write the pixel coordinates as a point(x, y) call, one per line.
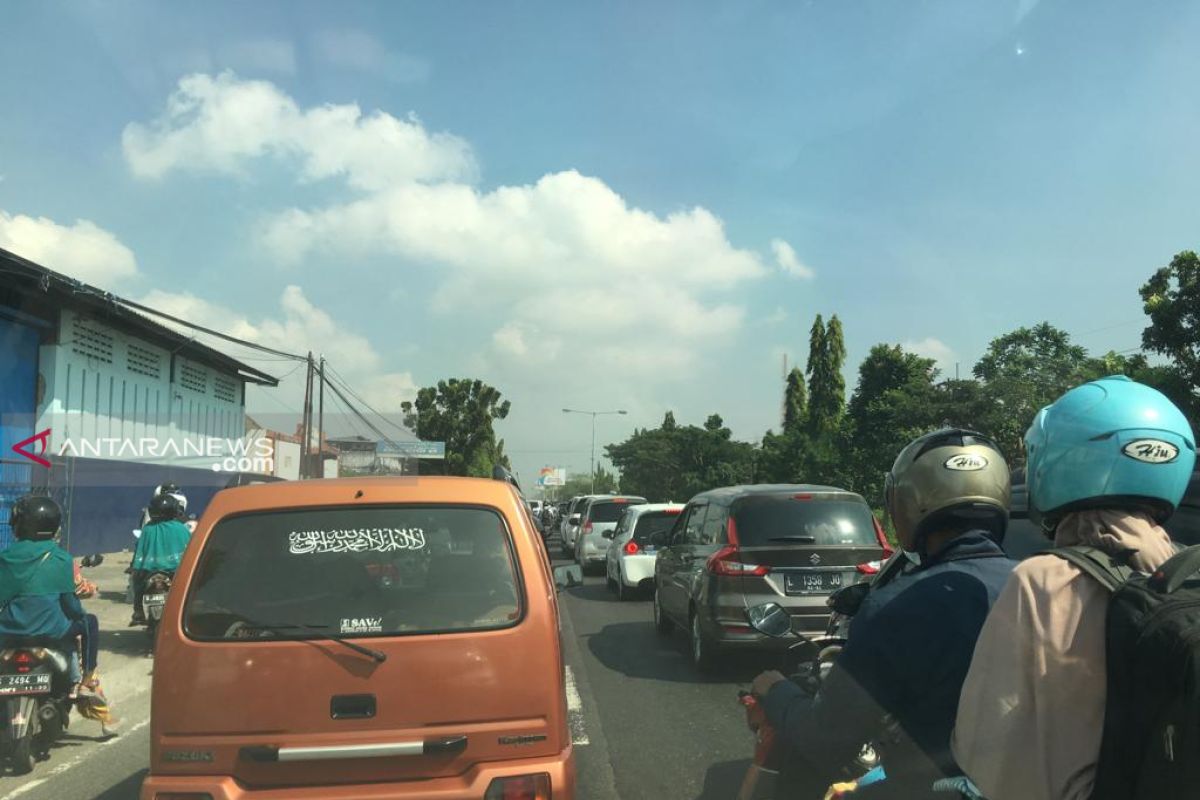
point(949, 478)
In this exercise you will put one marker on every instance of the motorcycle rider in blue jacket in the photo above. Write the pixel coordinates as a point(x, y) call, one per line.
point(897, 681)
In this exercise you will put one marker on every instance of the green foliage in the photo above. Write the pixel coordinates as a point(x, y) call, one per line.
point(675, 462)
point(826, 386)
point(1023, 371)
point(1171, 298)
point(795, 403)
point(460, 412)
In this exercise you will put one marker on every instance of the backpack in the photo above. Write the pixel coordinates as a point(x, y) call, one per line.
point(1151, 741)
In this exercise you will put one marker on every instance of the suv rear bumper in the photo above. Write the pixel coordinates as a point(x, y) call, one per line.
point(471, 785)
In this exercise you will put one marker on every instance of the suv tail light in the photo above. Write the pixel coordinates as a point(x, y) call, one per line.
point(881, 537)
point(631, 548)
point(520, 787)
point(727, 561)
point(587, 526)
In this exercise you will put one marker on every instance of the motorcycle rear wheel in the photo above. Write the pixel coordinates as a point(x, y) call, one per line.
point(21, 757)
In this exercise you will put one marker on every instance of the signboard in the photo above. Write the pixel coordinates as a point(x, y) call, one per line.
point(412, 449)
point(552, 476)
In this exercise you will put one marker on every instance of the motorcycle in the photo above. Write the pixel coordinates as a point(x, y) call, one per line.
point(806, 663)
point(35, 689)
point(154, 599)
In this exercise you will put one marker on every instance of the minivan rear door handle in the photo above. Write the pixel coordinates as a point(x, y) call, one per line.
point(446, 745)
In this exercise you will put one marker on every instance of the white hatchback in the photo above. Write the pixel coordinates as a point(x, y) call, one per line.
point(632, 552)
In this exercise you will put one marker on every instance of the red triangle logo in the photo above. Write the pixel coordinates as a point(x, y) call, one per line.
point(44, 438)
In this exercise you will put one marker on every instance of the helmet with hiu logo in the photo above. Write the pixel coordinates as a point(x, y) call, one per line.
point(1111, 443)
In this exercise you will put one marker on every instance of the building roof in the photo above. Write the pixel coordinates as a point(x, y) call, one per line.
point(24, 278)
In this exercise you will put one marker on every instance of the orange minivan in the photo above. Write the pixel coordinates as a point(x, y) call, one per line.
point(362, 638)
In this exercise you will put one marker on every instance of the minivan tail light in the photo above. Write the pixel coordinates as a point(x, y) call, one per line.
point(727, 562)
point(731, 534)
point(631, 548)
point(587, 526)
point(520, 787)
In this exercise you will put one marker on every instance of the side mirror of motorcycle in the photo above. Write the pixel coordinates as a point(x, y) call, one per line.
point(846, 601)
point(770, 619)
point(568, 576)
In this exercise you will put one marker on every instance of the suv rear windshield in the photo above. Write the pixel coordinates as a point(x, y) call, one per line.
point(363, 571)
point(611, 510)
point(653, 522)
point(770, 520)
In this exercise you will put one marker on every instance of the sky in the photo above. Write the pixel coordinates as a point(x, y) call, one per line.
point(620, 205)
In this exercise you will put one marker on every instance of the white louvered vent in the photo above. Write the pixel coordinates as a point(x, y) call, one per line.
point(193, 377)
point(224, 389)
point(91, 341)
point(143, 361)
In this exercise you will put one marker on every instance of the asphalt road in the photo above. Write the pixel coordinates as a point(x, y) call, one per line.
point(646, 725)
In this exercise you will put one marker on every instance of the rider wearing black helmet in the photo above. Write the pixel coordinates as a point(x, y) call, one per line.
point(159, 548)
point(37, 584)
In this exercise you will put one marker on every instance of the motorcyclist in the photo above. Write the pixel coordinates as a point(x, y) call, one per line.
point(37, 586)
point(159, 548)
point(172, 489)
point(1032, 710)
point(897, 681)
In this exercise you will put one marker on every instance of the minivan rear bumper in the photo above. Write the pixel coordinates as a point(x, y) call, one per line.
point(471, 785)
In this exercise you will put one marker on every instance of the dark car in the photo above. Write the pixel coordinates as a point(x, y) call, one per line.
point(742, 546)
point(1025, 538)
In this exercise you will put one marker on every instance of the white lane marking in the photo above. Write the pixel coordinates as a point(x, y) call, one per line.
point(59, 769)
point(575, 711)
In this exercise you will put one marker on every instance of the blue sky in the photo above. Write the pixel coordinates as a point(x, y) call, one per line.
point(636, 205)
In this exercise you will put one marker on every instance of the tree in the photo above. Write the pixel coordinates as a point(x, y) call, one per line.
point(1023, 371)
point(826, 386)
point(892, 404)
point(795, 400)
point(1172, 300)
point(460, 412)
point(582, 484)
point(675, 462)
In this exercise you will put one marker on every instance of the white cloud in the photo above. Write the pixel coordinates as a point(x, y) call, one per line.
point(359, 50)
point(776, 317)
point(582, 276)
point(787, 260)
point(298, 327)
point(83, 251)
point(936, 349)
point(219, 124)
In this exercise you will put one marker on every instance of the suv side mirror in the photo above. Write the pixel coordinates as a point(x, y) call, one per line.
point(568, 576)
point(846, 601)
point(609, 534)
point(574, 520)
point(770, 619)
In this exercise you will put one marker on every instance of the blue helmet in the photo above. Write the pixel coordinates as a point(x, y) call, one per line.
point(1108, 443)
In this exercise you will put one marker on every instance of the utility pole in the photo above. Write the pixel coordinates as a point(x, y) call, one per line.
point(321, 424)
point(306, 421)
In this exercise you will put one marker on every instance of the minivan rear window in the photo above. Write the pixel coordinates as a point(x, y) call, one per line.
point(782, 519)
point(653, 522)
point(611, 510)
point(354, 572)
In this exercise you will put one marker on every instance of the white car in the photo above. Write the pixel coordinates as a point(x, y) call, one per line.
point(631, 554)
point(568, 530)
point(597, 518)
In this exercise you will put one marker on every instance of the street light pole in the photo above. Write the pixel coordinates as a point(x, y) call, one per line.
point(593, 414)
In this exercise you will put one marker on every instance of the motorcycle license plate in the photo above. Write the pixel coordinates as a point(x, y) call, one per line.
point(812, 582)
point(155, 600)
point(25, 684)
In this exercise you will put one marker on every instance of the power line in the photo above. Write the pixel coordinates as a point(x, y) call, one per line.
point(337, 376)
point(209, 331)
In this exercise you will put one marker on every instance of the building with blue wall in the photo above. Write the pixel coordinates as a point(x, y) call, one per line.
point(101, 404)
